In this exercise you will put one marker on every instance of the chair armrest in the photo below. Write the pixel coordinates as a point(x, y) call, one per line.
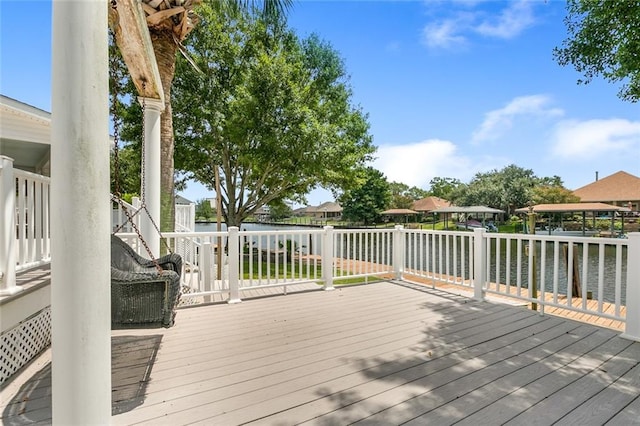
point(169, 262)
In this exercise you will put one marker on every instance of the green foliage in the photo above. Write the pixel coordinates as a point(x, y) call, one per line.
point(604, 39)
point(204, 210)
point(279, 210)
point(443, 186)
point(553, 194)
point(402, 197)
point(273, 112)
point(364, 204)
point(126, 174)
point(506, 189)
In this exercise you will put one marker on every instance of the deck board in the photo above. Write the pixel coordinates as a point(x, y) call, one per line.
point(383, 353)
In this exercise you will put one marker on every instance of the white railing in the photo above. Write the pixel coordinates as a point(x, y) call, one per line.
point(119, 220)
point(185, 216)
point(24, 223)
point(594, 276)
point(32, 219)
point(440, 256)
point(580, 274)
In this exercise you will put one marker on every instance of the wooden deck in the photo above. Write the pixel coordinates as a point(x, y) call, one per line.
point(381, 354)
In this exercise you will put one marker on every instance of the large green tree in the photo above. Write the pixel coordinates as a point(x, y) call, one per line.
point(167, 33)
point(403, 196)
point(604, 39)
point(365, 202)
point(443, 186)
point(272, 112)
point(506, 189)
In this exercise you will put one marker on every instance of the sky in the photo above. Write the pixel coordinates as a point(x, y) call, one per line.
point(451, 87)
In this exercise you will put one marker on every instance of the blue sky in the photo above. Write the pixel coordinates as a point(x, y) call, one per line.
point(452, 88)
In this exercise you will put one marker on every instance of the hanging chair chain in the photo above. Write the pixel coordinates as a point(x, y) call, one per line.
point(117, 196)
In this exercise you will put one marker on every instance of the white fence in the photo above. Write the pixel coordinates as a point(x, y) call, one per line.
point(594, 276)
point(185, 216)
point(32, 219)
point(24, 223)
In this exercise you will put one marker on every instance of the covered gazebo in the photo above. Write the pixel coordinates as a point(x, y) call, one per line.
point(467, 210)
point(593, 209)
point(399, 213)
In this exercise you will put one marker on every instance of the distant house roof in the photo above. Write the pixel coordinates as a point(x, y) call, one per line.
point(620, 186)
point(573, 207)
point(329, 207)
point(430, 203)
point(181, 200)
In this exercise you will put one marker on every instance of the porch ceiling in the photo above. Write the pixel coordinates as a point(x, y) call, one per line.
point(27, 156)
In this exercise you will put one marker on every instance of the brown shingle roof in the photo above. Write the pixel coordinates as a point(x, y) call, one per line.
point(430, 203)
point(620, 186)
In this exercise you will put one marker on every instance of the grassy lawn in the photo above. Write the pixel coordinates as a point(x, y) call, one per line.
point(293, 270)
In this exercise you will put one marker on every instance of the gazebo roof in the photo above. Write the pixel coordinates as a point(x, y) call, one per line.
point(399, 212)
point(573, 207)
point(429, 204)
point(467, 209)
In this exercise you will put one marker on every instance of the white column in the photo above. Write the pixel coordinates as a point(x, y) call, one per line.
point(7, 228)
point(152, 110)
point(632, 320)
point(80, 250)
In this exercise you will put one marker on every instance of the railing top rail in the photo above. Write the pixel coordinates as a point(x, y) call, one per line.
point(438, 232)
point(561, 238)
point(362, 230)
point(283, 232)
point(31, 175)
point(127, 205)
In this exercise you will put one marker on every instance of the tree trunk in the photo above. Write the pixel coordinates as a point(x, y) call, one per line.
point(165, 49)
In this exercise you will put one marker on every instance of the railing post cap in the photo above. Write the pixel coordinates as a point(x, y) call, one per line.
point(399, 227)
point(327, 227)
point(479, 230)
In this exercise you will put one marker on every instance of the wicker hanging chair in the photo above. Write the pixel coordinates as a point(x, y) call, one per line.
point(142, 296)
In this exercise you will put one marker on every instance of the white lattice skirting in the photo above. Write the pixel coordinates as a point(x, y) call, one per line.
point(24, 342)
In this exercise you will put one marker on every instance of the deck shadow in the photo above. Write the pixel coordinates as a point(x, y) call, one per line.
point(132, 359)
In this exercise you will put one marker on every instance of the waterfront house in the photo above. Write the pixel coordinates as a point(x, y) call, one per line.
point(619, 189)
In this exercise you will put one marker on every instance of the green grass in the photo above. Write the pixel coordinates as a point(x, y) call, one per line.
point(294, 270)
point(270, 270)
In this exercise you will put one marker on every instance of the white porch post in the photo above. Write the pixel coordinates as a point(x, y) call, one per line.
point(7, 228)
point(152, 110)
point(398, 252)
point(479, 263)
point(233, 256)
point(327, 258)
point(80, 251)
point(632, 321)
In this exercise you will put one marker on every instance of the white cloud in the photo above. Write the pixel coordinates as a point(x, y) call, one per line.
point(463, 19)
point(443, 34)
point(498, 121)
point(580, 140)
point(415, 164)
point(514, 19)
